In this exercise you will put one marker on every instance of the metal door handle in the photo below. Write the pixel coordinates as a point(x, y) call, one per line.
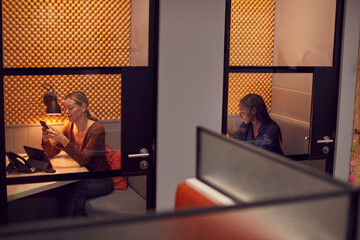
point(143, 153)
point(326, 139)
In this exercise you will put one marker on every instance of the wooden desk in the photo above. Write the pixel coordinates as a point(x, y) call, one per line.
point(62, 163)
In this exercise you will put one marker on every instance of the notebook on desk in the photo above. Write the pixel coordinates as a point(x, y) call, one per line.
point(38, 159)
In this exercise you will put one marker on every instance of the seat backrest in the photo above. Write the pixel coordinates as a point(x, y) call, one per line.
point(294, 135)
point(293, 132)
point(188, 197)
point(114, 160)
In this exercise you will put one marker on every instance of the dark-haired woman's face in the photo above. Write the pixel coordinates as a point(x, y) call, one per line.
point(245, 114)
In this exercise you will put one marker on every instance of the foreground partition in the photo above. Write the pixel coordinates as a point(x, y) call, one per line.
point(250, 174)
point(313, 205)
point(275, 199)
point(320, 217)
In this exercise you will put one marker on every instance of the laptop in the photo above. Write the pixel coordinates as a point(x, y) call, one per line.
point(38, 159)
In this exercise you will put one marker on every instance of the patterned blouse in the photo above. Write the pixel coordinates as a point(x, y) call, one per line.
point(90, 152)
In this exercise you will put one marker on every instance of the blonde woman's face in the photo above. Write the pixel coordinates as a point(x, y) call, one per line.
point(73, 110)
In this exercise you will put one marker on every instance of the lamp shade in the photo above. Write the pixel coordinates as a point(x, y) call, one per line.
point(52, 106)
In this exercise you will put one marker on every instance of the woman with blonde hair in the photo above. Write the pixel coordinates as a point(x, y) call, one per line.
point(83, 139)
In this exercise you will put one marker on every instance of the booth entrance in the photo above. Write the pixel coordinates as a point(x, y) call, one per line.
point(107, 49)
point(291, 57)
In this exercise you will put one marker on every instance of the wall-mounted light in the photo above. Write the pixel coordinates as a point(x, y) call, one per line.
point(51, 103)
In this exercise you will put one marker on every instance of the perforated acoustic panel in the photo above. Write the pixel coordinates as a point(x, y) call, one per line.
point(23, 96)
point(241, 84)
point(251, 44)
point(252, 32)
point(66, 33)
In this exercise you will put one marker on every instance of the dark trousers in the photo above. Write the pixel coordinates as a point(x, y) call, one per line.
point(72, 201)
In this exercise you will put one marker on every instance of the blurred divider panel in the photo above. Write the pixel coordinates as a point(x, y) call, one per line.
point(324, 218)
point(276, 199)
point(290, 108)
point(249, 174)
point(283, 199)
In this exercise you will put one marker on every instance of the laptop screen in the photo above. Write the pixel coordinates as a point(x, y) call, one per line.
point(38, 158)
point(35, 153)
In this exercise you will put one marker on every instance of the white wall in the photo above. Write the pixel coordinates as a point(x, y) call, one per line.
point(191, 41)
point(304, 32)
point(351, 38)
point(191, 60)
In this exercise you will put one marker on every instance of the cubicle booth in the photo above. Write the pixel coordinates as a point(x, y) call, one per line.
point(289, 56)
point(105, 49)
point(269, 197)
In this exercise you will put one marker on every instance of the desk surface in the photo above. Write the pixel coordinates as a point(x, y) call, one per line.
point(62, 163)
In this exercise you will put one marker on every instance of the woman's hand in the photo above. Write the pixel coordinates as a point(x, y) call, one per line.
point(45, 135)
point(56, 135)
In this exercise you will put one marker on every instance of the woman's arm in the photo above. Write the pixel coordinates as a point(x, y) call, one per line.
point(94, 145)
point(271, 140)
point(53, 148)
point(241, 133)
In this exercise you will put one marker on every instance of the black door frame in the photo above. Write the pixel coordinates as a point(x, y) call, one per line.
point(152, 67)
point(321, 76)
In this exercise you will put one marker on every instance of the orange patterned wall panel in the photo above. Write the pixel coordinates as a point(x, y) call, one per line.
point(251, 44)
point(23, 96)
point(241, 84)
point(66, 33)
point(252, 32)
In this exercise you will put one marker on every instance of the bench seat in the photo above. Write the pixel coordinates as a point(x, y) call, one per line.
point(119, 202)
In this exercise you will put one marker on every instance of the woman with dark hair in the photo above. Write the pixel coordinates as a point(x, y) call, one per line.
point(257, 127)
point(83, 139)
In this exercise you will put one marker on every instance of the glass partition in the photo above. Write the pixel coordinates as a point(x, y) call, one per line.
point(139, 37)
point(281, 41)
point(60, 47)
point(288, 99)
point(282, 33)
point(75, 34)
point(24, 107)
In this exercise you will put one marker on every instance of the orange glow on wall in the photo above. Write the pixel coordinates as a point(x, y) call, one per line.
point(66, 33)
point(251, 44)
point(241, 84)
point(23, 96)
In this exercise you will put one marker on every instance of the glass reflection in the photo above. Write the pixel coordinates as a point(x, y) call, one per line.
point(282, 33)
point(283, 96)
point(76, 35)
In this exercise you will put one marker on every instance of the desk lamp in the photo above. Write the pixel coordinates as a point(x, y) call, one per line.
point(50, 101)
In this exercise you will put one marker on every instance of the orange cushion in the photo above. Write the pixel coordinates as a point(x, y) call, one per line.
point(187, 197)
point(114, 160)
